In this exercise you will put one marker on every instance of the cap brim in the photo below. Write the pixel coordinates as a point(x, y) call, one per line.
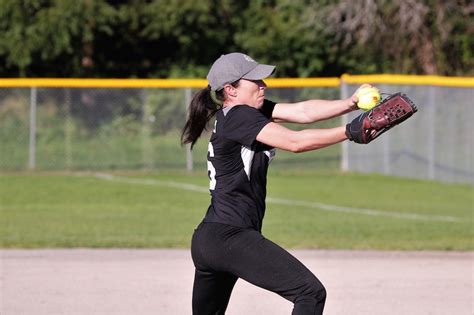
point(260, 72)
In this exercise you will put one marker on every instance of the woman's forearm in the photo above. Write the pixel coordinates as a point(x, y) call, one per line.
point(317, 110)
point(310, 111)
point(283, 138)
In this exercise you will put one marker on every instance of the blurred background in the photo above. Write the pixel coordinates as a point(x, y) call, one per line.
point(181, 38)
point(64, 126)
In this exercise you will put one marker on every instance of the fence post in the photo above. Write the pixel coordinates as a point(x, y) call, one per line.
point(386, 155)
point(189, 154)
point(32, 143)
point(68, 128)
point(344, 120)
point(147, 119)
point(431, 131)
point(386, 146)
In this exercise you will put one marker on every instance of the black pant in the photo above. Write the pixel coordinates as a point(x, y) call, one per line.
point(223, 253)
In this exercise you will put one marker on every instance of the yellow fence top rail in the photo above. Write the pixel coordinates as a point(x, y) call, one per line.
point(156, 83)
point(409, 80)
point(461, 82)
point(104, 83)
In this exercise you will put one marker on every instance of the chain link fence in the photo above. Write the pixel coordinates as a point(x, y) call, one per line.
point(436, 143)
point(139, 128)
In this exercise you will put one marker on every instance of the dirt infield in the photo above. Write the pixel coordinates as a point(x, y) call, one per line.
point(87, 281)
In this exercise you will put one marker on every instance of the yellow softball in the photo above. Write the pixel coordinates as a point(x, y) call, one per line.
point(368, 97)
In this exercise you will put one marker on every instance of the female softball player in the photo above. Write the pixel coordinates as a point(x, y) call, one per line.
point(228, 243)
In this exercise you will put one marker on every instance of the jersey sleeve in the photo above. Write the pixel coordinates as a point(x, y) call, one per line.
point(267, 108)
point(243, 124)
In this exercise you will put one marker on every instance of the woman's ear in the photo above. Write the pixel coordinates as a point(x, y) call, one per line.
point(230, 90)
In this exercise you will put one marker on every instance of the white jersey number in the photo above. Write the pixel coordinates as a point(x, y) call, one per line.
point(210, 168)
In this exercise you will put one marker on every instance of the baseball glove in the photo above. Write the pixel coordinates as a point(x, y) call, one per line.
point(390, 112)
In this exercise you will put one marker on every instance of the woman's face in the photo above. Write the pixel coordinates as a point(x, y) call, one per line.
point(250, 92)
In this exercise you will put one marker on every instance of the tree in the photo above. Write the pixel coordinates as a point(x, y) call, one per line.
point(407, 36)
point(180, 38)
point(51, 37)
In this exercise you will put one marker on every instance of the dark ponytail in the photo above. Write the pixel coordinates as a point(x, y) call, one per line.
point(202, 108)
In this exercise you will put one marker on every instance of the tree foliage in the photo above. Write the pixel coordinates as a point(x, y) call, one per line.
point(51, 38)
point(408, 36)
point(181, 38)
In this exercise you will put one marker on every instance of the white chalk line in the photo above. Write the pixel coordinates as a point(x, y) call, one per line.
point(280, 201)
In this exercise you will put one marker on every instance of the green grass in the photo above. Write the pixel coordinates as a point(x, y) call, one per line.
point(325, 229)
point(39, 210)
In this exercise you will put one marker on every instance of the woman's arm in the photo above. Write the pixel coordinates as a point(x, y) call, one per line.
point(311, 111)
point(286, 139)
point(314, 110)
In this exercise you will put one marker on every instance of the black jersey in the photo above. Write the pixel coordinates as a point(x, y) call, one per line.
point(237, 166)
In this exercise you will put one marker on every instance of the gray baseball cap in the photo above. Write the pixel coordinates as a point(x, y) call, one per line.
point(235, 66)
